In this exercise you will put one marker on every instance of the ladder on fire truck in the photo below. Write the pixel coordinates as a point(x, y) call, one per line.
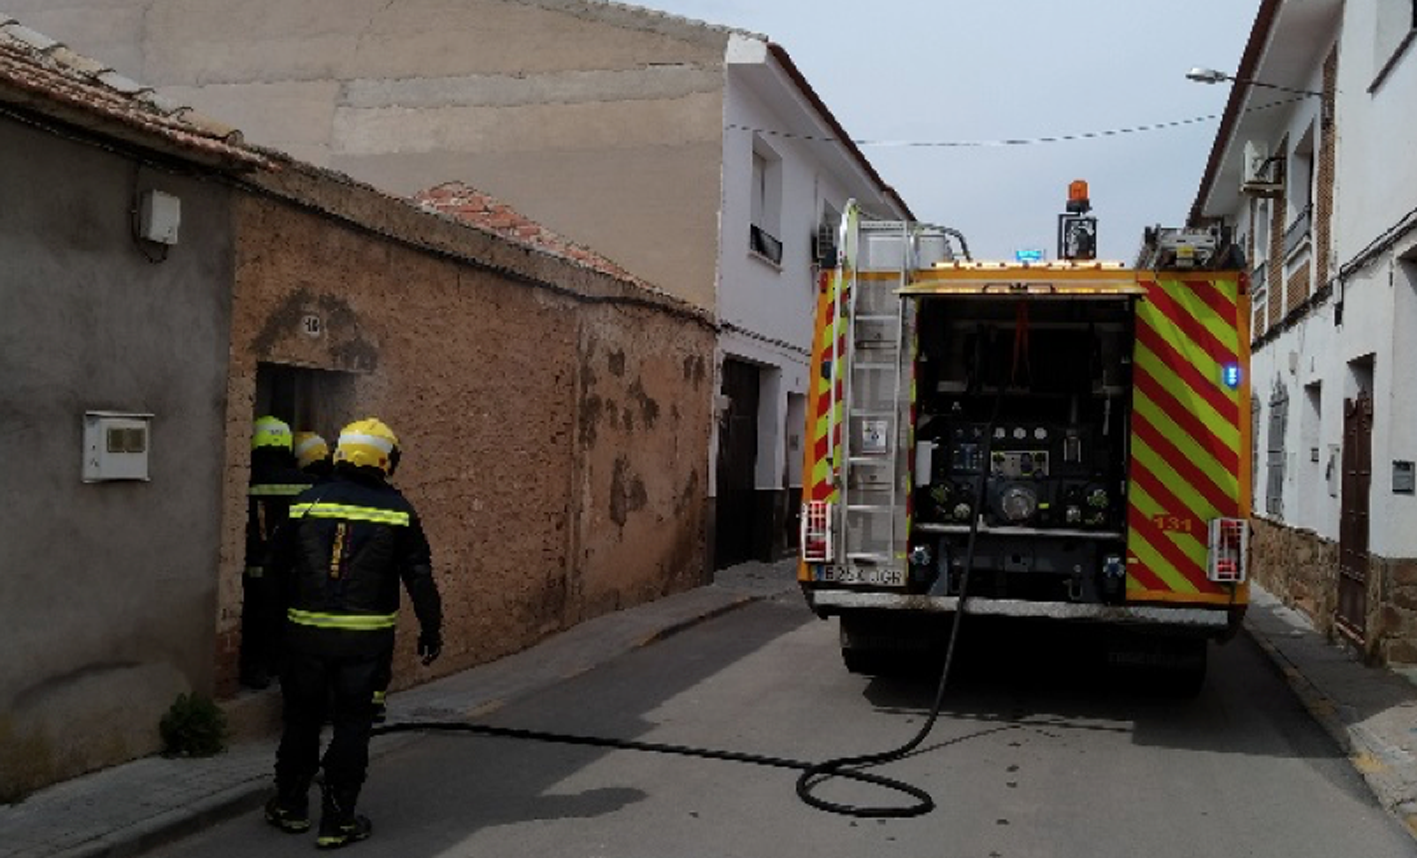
point(877, 376)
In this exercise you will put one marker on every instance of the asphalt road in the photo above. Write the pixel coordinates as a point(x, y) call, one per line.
point(1033, 755)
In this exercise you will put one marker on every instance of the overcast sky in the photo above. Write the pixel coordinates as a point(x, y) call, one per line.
point(949, 71)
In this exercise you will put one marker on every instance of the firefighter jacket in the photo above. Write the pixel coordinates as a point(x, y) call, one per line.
point(275, 482)
point(339, 561)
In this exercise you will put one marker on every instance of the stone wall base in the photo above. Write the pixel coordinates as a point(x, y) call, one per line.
point(1300, 568)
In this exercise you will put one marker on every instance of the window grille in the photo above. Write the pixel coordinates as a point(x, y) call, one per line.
point(1274, 470)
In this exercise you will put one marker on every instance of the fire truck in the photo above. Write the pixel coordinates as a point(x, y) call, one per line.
point(1066, 439)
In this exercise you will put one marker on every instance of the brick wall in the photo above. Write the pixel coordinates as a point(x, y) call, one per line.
point(555, 419)
point(1323, 204)
point(1296, 288)
point(1276, 251)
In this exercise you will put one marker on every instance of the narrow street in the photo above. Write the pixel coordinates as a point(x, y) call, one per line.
point(1030, 758)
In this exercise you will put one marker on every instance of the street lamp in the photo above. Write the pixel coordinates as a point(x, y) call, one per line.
point(1200, 75)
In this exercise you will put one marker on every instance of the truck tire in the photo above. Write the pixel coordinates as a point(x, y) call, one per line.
point(859, 631)
point(1187, 679)
point(1169, 667)
point(866, 662)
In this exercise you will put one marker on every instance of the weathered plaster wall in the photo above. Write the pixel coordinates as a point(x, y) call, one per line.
point(554, 419)
point(107, 590)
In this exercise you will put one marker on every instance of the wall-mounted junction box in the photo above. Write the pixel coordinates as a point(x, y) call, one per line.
point(159, 217)
point(116, 446)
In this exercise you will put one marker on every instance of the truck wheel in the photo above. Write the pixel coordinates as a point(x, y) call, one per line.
point(867, 662)
point(1167, 667)
point(1188, 677)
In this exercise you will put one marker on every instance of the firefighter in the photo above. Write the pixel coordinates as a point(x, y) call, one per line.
point(275, 481)
point(312, 455)
point(339, 560)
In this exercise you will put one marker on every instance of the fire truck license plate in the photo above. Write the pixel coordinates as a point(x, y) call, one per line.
point(879, 577)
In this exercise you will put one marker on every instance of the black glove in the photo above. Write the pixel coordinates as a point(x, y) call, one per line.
point(429, 647)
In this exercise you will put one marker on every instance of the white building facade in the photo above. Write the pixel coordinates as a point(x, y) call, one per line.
point(1312, 168)
point(788, 170)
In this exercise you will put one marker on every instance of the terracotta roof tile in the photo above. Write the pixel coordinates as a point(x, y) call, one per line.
point(48, 78)
point(486, 212)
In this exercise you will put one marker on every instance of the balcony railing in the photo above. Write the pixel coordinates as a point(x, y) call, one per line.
point(1298, 229)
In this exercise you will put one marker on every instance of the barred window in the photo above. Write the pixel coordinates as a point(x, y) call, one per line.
point(1274, 470)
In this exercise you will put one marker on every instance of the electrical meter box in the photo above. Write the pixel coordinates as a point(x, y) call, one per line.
point(159, 217)
point(116, 446)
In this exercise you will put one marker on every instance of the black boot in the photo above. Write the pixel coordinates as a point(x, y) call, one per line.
point(339, 824)
point(290, 809)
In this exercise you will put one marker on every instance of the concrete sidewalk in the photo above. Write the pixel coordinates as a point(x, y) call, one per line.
point(127, 809)
point(1371, 712)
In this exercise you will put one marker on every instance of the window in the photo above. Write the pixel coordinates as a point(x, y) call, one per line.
point(824, 244)
point(1311, 456)
point(766, 219)
point(1261, 223)
point(1274, 470)
point(1300, 187)
point(1395, 27)
point(1259, 302)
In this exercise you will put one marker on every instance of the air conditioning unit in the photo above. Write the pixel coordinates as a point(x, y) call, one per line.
point(1260, 173)
point(824, 245)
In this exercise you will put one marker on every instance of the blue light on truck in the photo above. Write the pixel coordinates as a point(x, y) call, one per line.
point(1231, 375)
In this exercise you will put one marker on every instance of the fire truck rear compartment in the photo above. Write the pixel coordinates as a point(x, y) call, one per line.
point(1029, 397)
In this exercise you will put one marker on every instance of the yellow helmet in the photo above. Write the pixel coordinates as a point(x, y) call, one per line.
point(270, 432)
point(309, 448)
point(368, 443)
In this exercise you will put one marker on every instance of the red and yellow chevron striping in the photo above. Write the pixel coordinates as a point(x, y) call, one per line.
point(826, 405)
point(1189, 434)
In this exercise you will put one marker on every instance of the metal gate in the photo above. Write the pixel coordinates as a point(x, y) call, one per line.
point(1352, 611)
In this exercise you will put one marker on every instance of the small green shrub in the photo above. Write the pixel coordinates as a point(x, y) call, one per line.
point(194, 727)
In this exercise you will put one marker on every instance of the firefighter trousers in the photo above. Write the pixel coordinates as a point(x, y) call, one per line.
point(261, 621)
point(314, 688)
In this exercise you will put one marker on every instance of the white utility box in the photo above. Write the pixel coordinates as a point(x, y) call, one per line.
point(160, 217)
point(116, 446)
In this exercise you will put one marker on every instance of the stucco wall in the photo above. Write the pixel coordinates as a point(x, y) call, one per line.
point(107, 590)
point(602, 122)
point(554, 419)
point(1355, 332)
point(1377, 176)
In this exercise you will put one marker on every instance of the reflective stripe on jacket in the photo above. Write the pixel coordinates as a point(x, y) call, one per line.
point(352, 622)
point(349, 513)
point(339, 561)
point(276, 490)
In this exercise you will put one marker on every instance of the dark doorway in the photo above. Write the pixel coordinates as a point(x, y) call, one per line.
point(310, 400)
point(1352, 610)
point(737, 464)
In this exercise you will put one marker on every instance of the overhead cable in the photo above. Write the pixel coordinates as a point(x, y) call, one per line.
point(1008, 141)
